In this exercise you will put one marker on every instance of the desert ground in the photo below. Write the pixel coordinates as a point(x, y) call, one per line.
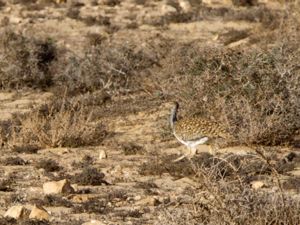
point(86, 92)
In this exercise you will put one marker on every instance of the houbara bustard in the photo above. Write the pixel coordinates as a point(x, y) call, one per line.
point(193, 131)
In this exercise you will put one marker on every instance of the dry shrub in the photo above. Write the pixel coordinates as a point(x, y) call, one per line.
point(52, 200)
point(247, 207)
point(132, 149)
point(49, 165)
point(23, 2)
point(110, 66)
point(269, 18)
point(2, 4)
point(220, 199)
point(89, 176)
point(57, 124)
point(25, 62)
point(111, 3)
point(73, 13)
point(94, 205)
point(14, 161)
point(135, 213)
point(6, 185)
point(98, 20)
point(254, 92)
point(94, 39)
point(244, 2)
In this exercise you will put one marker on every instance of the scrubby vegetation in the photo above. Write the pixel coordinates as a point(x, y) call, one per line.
point(255, 92)
point(104, 90)
point(25, 62)
point(56, 124)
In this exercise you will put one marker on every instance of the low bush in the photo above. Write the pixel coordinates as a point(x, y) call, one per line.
point(25, 62)
point(254, 92)
point(56, 124)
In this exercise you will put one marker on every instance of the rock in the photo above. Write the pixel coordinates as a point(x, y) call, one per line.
point(75, 187)
point(93, 222)
point(39, 213)
point(102, 154)
point(16, 212)
point(148, 201)
point(185, 5)
point(58, 187)
point(137, 198)
point(257, 184)
point(15, 20)
point(60, 1)
point(167, 10)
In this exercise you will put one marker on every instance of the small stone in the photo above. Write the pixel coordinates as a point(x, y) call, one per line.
point(75, 187)
point(167, 10)
point(93, 222)
point(7, 9)
point(39, 213)
point(257, 184)
point(15, 20)
point(102, 154)
point(137, 198)
point(185, 5)
point(58, 187)
point(16, 212)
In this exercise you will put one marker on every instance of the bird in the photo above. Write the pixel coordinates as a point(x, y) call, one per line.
point(194, 131)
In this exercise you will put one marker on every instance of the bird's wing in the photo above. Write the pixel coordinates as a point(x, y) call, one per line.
point(195, 128)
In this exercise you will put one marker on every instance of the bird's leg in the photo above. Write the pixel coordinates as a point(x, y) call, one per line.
point(193, 151)
point(183, 156)
point(211, 150)
point(180, 158)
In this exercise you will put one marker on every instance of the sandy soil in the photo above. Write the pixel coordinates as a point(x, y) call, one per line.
point(140, 136)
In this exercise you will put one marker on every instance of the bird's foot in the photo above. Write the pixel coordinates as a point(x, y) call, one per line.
point(190, 155)
point(180, 158)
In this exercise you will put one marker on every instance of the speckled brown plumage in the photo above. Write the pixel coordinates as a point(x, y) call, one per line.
point(193, 128)
point(193, 131)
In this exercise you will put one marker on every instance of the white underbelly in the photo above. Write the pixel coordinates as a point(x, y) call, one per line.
point(193, 143)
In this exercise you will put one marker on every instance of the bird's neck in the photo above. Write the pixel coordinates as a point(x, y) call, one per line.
point(173, 117)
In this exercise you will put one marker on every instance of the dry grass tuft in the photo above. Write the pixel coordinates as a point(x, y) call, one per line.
point(14, 161)
point(56, 124)
point(95, 205)
point(89, 176)
point(52, 200)
point(132, 149)
point(49, 165)
point(6, 185)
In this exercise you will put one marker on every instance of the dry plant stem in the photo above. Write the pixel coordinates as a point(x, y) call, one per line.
point(274, 171)
point(207, 184)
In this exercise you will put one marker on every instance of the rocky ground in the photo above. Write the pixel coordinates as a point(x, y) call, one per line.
point(130, 178)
